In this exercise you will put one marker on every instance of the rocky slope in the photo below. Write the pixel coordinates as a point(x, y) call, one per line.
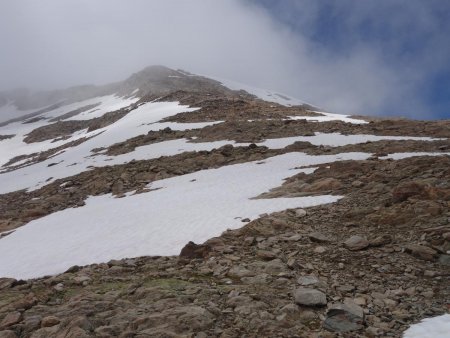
point(369, 265)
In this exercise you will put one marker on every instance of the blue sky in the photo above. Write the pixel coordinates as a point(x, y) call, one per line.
point(368, 57)
point(411, 37)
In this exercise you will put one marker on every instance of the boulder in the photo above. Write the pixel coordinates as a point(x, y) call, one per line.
point(195, 251)
point(49, 321)
point(356, 243)
point(318, 237)
point(343, 318)
point(421, 251)
point(11, 319)
point(310, 297)
point(407, 189)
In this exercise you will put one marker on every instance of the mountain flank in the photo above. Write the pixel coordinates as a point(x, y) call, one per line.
point(169, 205)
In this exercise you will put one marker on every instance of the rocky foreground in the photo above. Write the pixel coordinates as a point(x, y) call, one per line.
point(367, 266)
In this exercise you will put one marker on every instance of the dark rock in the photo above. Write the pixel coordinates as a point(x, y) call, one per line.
point(444, 260)
point(226, 150)
point(405, 190)
point(342, 320)
point(6, 283)
point(193, 251)
point(73, 269)
point(421, 251)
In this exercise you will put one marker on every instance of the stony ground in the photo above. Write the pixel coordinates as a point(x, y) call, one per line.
point(367, 266)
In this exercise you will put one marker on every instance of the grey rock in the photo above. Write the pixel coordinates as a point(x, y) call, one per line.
point(275, 267)
point(307, 280)
point(300, 213)
point(444, 260)
point(239, 272)
point(356, 243)
point(310, 297)
point(8, 334)
point(319, 237)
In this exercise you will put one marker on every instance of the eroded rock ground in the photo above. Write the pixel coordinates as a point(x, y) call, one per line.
point(244, 282)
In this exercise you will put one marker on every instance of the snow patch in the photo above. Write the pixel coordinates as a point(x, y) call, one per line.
point(328, 117)
point(400, 156)
point(435, 327)
point(79, 158)
point(263, 94)
point(9, 111)
point(336, 140)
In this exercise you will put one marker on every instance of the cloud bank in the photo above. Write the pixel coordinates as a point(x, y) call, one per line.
point(280, 45)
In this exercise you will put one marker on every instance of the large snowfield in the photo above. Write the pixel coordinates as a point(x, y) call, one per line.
point(186, 208)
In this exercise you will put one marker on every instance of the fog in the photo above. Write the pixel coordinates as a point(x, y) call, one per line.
point(50, 44)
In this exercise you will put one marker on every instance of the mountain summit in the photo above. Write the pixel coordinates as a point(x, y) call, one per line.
point(175, 205)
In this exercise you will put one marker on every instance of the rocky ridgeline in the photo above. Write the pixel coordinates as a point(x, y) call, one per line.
point(367, 266)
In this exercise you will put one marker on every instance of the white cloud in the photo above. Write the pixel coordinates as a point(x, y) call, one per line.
point(50, 43)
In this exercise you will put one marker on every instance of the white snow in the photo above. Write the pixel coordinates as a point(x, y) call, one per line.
point(9, 111)
point(287, 101)
point(328, 117)
point(400, 156)
point(108, 103)
point(78, 159)
point(15, 146)
point(435, 327)
point(193, 207)
point(336, 139)
point(263, 94)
